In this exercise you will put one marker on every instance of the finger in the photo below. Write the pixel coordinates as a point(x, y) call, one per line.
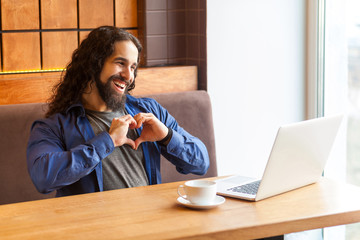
point(143, 115)
point(147, 117)
point(128, 119)
point(131, 143)
point(139, 121)
point(138, 141)
point(138, 116)
point(132, 123)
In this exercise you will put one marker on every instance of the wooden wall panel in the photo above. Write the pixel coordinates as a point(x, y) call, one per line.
point(57, 48)
point(19, 14)
point(37, 87)
point(134, 32)
point(126, 13)
point(0, 53)
point(95, 13)
point(34, 87)
point(57, 14)
point(21, 51)
point(76, 17)
point(28, 46)
point(83, 35)
point(166, 79)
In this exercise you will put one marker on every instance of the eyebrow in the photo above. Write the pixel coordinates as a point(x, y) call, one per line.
point(124, 59)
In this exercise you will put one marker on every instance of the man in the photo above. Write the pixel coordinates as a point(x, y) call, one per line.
point(96, 136)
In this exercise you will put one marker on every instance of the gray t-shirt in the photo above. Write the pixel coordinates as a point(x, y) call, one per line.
point(124, 167)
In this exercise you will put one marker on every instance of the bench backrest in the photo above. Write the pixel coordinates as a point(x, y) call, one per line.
point(191, 109)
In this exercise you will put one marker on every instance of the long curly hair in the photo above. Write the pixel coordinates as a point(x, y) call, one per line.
point(86, 64)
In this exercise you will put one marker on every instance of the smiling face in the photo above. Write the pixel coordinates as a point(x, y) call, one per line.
point(116, 75)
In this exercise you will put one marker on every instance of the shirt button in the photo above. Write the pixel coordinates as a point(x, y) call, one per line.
point(107, 150)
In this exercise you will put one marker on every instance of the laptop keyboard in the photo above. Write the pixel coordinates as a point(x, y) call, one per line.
point(250, 188)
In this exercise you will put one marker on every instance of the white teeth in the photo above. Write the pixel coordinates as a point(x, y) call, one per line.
point(121, 85)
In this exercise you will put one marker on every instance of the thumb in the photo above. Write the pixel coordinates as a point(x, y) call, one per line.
point(138, 141)
point(130, 142)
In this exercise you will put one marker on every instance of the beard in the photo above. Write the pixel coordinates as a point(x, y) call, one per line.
point(112, 99)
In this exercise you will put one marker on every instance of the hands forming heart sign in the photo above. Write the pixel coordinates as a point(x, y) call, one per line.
point(153, 129)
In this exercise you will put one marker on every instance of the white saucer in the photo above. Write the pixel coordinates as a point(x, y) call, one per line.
point(218, 201)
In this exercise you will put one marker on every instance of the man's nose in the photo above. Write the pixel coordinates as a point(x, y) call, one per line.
point(126, 73)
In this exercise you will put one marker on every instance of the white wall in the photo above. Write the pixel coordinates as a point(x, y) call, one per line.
point(256, 77)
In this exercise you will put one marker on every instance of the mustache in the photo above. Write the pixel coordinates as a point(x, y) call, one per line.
point(119, 77)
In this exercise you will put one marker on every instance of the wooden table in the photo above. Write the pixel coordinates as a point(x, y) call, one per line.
point(153, 213)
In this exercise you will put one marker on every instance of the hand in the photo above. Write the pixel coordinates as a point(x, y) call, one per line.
point(119, 129)
point(153, 129)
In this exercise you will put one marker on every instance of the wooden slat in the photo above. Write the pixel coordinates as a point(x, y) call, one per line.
point(36, 87)
point(19, 14)
point(95, 13)
point(26, 88)
point(21, 51)
point(166, 79)
point(126, 13)
point(59, 14)
point(59, 44)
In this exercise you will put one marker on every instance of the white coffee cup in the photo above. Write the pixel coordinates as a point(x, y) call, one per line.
point(201, 192)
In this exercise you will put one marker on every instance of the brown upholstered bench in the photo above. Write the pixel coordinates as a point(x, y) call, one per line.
point(191, 109)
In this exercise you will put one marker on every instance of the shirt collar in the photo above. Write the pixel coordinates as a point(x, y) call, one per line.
point(79, 107)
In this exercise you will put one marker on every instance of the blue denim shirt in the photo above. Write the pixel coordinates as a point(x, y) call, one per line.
point(64, 154)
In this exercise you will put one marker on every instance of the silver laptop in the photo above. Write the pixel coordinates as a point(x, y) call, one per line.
point(297, 158)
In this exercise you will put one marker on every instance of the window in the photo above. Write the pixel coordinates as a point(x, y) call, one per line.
point(342, 95)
